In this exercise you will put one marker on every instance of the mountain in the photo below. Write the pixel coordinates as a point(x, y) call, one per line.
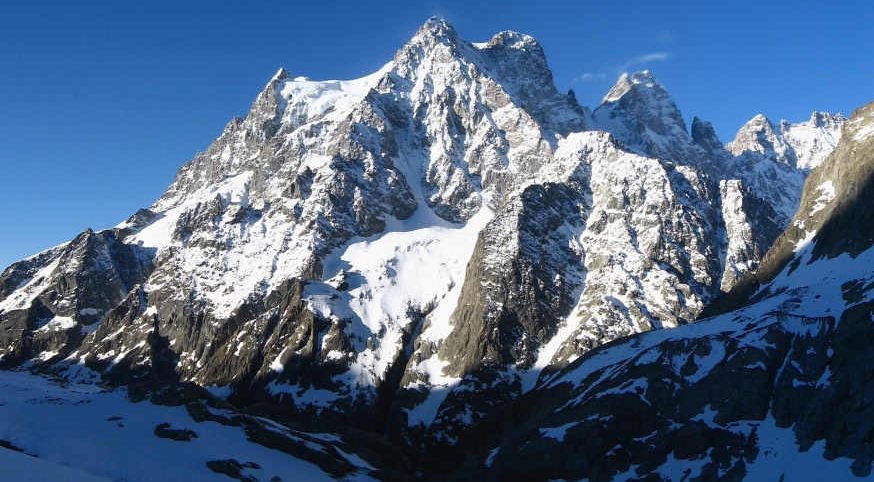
point(792, 149)
point(776, 388)
point(803, 145)
point(408, 255)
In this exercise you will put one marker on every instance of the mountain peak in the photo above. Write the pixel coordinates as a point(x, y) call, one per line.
point(643, 77)
point(760, 136)
point(519, 61)
point(642, 114)
point(628, 82)
point(757, 130)
point(705, 136)
point(758, 120)
point(280, 74)
point(513, 39)
point(436, 28)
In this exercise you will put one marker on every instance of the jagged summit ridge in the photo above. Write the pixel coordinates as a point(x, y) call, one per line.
point(802, 145)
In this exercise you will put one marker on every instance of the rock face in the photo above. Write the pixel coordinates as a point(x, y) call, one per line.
point(410, 251)
point(751, 225)
point(730, 397)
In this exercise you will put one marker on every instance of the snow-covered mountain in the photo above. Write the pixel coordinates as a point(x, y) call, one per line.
point(776, 388)
point(803, 145)
point(792, 149)
point(410, 252)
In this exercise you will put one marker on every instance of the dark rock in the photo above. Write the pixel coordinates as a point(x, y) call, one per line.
point(178, 434)
point(233, 469)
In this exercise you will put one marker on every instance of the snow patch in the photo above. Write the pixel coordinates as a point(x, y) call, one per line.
point(59, 323)
point(864, 128)
point(805, 241)
point(22, 297)
point(826, 192)
point(557, 433)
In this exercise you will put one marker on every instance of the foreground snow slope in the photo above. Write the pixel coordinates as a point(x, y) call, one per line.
point(81, 432)
point(21, 467)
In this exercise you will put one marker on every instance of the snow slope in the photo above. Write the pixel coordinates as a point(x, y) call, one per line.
point(85, 433)
point(21, 467)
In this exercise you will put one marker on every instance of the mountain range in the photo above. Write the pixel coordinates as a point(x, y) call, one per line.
point(448, 269)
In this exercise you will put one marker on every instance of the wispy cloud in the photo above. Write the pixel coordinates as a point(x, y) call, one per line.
point(645, 59)
point(626, 66)
point(590, 76)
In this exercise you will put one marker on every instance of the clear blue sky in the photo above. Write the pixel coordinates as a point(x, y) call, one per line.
point(101, 102)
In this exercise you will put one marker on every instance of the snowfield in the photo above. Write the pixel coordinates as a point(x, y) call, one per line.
point(83, 433)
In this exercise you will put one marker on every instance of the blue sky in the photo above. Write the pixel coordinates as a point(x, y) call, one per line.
point(101, 102)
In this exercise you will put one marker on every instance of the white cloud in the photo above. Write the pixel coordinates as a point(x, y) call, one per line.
point(635, 61)
point(589, 76)
point(645, 59)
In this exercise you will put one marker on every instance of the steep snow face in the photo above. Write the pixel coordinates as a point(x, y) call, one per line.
point(776, 183)
point(23, 295)
point(385, 285)
point(739, 248)
point(650, 249)
point(303, 101)
point(814, 139)
point(255, 250)
point(274, 193)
